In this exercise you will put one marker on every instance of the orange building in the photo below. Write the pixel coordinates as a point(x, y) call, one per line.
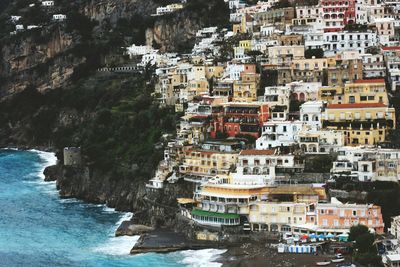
point(338, 216)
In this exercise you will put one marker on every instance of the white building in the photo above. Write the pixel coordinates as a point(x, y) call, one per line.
point(305, 91)
point(59, 17)
point(321, 141)
point(19, 27)
point(314, 40)
point(260, 167)
point(233, 71)
point(15, 18)
point(47, 3)
point(368, 163)
point(30, 27)
point(308, 11)
point(276, 96)
point(139, 50)
point(267, 30)
point(168, 9)
point(335, 42)
point(311, 113)
point(373, 66)
point(279, 133)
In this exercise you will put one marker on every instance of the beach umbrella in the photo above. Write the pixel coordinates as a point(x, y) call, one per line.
point(313, 236)
point(321, 236)
point(305, 236)
point(343, 237)
point(330, 235)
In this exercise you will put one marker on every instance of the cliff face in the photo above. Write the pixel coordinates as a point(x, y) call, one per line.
point(173, 34)
point(155, 208)
point(177, 31)
point(110, 11)
point(48, 57)
point(39, 63)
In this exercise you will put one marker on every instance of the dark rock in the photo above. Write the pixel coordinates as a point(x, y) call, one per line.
point(130, 229)
point(51, 173)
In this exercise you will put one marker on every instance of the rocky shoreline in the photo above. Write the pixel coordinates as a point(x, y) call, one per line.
point(175, 233)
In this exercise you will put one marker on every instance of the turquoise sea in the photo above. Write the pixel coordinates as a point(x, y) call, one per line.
point(37, 228)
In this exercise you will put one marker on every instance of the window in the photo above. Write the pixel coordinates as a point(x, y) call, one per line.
point(325, 222)
point(354, 213)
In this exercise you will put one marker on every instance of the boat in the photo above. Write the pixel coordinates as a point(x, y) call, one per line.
point(338, 258)
point(323, 263)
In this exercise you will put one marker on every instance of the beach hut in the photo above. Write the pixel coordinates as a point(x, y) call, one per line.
point(281, 248)
point(292, 249)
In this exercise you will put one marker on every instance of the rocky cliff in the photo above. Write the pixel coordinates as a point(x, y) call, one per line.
point(57, 54)
point(177, 32)
point(37, 61)
point(151, 207)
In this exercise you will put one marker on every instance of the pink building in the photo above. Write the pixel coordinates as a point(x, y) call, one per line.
point(338, 216)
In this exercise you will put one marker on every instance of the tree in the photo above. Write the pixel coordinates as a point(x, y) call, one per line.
point(365, 251)
point(317, 53)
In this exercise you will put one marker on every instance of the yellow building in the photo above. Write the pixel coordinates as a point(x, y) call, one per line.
point(306, 64)
point(328, 93)
point(245, 44)
point(245, 90)
point(214, 71)
point(198, 87)
point(361, 123)
point(274, 217)
point(207, 163)
point(365, 91)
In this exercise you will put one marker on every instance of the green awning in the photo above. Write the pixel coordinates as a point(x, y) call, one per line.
point(215, 214)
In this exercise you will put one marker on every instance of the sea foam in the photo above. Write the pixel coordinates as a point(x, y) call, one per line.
point(118, 246)
point(202, 257)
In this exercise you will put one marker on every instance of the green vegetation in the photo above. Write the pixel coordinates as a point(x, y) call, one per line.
point(365, 251)
point(294, 105)
point(282, 4)
point(319, 163)
point(114, 119)
point(356, 27)
point(317, 53)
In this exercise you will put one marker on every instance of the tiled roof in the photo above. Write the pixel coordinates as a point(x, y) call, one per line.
point(356, 105)
point(249, 152)
point(370, 81)
point(391, 48)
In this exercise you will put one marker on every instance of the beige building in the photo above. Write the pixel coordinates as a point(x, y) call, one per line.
point(284, 55)
point(344, 71)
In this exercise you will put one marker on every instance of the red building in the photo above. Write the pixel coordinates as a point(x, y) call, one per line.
point(338, 13)
point(239, 118)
